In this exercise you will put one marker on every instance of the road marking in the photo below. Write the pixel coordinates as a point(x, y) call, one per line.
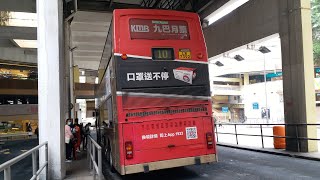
point(6, 153)
point(23, 150)
point(4, 150)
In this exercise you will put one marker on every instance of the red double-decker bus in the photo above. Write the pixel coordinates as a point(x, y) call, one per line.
point(154, 95)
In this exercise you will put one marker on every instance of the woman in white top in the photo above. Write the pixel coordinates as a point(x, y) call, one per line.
point(68, 136)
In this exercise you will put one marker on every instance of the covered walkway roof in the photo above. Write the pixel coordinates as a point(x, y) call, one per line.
point(89, 27)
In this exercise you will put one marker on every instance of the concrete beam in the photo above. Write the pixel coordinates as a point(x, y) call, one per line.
point(87, 53)
point(87, 64)
point(87, 57)
point(92, 17)
point(90, 28)
point(250, 22)
point(18, 55)
point(11, 32)
point(88, 48)
point(89, 33)
point(6, 43)
point(89, 5)
point(88, 39)
point(18, 5)
point(90, 59)
point(212, 7)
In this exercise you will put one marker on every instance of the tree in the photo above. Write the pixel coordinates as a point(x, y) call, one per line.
point(315, 17)
point(4, 17)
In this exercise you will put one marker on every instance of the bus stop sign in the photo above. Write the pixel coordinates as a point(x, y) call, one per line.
point(255, 106)
point(225, 109)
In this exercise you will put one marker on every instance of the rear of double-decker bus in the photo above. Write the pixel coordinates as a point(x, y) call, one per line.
point(163, 104)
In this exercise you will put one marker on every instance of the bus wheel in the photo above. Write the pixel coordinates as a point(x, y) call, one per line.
point(110, 159)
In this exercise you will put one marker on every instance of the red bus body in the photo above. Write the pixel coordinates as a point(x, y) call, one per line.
point(161, 109)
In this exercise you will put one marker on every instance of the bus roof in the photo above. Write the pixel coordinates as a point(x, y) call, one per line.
point(155, 12)
point(126, 42)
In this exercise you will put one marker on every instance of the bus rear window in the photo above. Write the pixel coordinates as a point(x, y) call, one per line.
point(153, 29)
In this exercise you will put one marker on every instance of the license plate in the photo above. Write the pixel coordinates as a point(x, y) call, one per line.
point(184, 54)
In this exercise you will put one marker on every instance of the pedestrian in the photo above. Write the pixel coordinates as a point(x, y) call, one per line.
point(68, 140)
point(36, 131)
point(81, 133)
point(29, 129)
point(86, 134)
point(77, 135)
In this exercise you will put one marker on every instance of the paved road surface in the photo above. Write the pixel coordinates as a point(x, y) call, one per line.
point(22, 170)
point(237, 164)
point(233, 164)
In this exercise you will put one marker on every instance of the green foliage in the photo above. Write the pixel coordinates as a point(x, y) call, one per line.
point(4, 17)
point(315, 17)
point(316, 52)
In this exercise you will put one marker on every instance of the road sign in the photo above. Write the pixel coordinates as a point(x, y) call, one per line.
point(255, 105)
point(225, 109)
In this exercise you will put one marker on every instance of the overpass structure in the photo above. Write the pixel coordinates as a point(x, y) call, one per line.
point(70, 35)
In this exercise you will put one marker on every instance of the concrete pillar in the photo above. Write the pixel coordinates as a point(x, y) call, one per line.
point(74, 78)
point(51, 69)
point(70, 69)
point(67, 67)
point(246, 80)
point(298, 72)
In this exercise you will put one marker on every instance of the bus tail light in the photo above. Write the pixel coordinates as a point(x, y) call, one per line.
point(129, 150)
point(209, 140)
point(124, 57)
point(200, 55)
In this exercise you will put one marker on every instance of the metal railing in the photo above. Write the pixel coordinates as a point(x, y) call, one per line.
point(6, 167)
point(295, 127)
point(94, 147)
point(7, 137)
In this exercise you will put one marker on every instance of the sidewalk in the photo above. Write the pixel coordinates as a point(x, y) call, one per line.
point(315, 156)
point(78, 169)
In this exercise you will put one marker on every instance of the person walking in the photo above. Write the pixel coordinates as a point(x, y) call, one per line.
point(81, 133)
point(77, 135)
point(29, 129)
point(68, 140)
point(86, 134)
point(36, 131)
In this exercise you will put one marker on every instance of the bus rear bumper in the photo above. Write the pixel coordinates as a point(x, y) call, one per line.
point(146, 167)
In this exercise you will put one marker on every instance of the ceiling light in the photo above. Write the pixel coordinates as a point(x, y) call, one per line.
point(224, 10)
point(238, 58)
point(264, 50)
point(218, 63)
point(23, 43)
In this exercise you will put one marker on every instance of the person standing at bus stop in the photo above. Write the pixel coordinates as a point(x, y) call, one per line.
point(68, 137)
point(86, 134)
point(29, 129)
point(77, 135)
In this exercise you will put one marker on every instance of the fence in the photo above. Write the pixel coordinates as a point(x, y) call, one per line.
point(6, 167)
point(94, 147)
point(295, 127)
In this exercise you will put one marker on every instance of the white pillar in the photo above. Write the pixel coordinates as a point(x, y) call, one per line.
point(70, 64)
point(50, 85)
